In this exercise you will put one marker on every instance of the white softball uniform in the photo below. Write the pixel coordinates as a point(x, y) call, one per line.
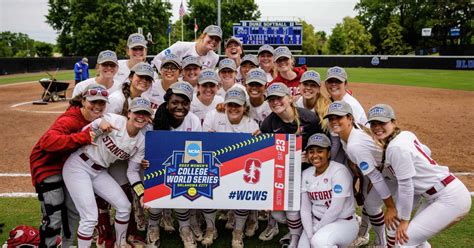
point(299, 103)
point(446, 197)
point(80, 87)
point(219, 122)
point(239, 79)
point(155, 94)
point(200, 109)
point(183, 49)
point(123, 71)
point(357, 109)
point(85, 173)
point(328, 208)
point(259, 113)
point(191, 123)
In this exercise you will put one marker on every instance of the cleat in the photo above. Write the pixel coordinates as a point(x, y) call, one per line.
point(262, 215)
point(361, 240)
point(285, 240)
point(269, 233)
point(187, 237)
point(209, 237)
point(237, 239)
point(197, 232)
point(251, 227)
point(153, 236)
point(167, 223)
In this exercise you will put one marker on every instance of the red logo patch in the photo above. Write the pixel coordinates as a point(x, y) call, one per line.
point(252, 171)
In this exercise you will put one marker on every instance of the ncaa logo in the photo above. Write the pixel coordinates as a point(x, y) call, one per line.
point(363, 166)
point(193, 150)
point(252, 171)
point(337, 188)
point(167, 51)
point(375, 61)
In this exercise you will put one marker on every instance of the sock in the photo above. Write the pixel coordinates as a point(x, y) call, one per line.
point(183, 215)
point(120, 231)
point(210, 217)
point(240, 219)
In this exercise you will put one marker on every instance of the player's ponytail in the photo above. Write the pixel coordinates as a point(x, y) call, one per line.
point(321, 108)
point(386, 141)
point(126, 92)
point(76, 101)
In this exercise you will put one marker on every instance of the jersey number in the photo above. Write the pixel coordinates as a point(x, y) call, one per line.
point(328, 204)
point(420, 149)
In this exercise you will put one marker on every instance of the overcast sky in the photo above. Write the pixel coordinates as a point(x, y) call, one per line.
point(27, 16)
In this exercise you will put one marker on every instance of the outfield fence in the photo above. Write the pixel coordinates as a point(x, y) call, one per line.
point(25, 65)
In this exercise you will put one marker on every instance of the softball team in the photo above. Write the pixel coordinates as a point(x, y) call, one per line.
point(111, 113)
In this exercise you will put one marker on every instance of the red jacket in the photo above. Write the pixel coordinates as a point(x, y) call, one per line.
point(54, 147)
point(294, 84)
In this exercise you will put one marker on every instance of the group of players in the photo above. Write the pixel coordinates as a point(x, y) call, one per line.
point(92, 158)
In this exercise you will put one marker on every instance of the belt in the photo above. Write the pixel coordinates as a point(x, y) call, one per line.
point(93, 165)
point(439, 186)
point(348, 218)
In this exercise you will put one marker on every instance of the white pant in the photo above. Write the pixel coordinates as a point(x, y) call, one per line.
point(82, 181)
point(339, 233)
point(438, 211)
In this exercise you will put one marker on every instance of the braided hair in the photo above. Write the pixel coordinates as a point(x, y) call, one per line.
point(387, 141)
point(126, 92)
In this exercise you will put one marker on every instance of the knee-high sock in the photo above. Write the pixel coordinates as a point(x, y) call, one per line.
point(210, 217)
point(120, 231)
point(154, 216)
point(240, 219)
point(183, 215)
point(378, 224)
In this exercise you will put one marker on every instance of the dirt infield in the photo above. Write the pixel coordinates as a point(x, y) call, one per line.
point(442, 119)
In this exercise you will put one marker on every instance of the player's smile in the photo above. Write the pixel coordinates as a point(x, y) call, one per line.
point(278, 104)
point(318, 157)
point(178, 107)
point(212, 42)
point(191, 73)
point(141, 83)
point(108, 69)
point(336, 123)
point(138, 53)
point(255, 90)
point(336, 88)
point(283, 64)
point(265, 59)
point(309, 89)
point(207, 90)
point(235, 112)
point(139, 119)
point(381, 130)
point(93, 109)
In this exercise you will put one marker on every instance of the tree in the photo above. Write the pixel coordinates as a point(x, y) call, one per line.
point(350, 37)
point(16, 45)
point(87, 27)
point(43, 49)
point(414, 15)
point(392, 39)
point(205, 13)
point(310, 42)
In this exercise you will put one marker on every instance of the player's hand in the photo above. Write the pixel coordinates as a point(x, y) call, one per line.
point(391, 218)
point(93, 137)
point(401, 235)
point(106, 127)
point(304, 158)
point(211, 130)
point(257, 132)
point(145, 164)
point(220, 107)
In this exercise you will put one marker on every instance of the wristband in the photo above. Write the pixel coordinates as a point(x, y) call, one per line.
point(138, 189)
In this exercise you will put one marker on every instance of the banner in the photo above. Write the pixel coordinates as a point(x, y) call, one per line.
point(222, 170)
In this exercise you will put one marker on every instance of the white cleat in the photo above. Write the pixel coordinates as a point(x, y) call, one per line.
point(269, 233)
point(361, 240)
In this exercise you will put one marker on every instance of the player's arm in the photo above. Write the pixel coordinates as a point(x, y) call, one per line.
point(158, 59)
point(64, 136)
point(306, 215)
point(133, 171)
point(207, 125)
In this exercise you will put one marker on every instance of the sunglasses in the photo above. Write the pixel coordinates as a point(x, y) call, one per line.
point(138, 48)
point(95, 92)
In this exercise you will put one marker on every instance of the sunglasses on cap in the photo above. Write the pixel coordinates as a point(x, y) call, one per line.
point(94, 92)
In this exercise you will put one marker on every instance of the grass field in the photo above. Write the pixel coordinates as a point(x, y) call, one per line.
point(446, 79)
point(16, 211)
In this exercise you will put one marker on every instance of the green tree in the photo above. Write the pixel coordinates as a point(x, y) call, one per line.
point(16, 45)
point(310, 41)
point(392, 39)
point(350, 37)
point(87, 27)
point(43, 49)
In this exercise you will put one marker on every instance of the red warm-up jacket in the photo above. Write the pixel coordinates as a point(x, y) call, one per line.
point(54, 147)
point(294, 84)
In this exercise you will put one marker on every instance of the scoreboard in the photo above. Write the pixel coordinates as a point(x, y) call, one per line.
point(253, 34)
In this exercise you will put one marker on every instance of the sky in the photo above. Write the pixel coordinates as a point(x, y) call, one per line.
point(28, 16)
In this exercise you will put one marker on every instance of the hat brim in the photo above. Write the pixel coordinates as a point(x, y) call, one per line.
point(281, 56)
point(196, 64)
point(318, 145)
point(312, 80)
point(96, 98)
point(208, 81)
point(337, 113)
point(265, 50)
point(233, 40)
point(379, 118)
point(280, 94)
point(144, 74)
point(170, 62)
point(336, 77)
point(227, 67)
point(233, 100)
point(108, 60)
point(137, 109)
point(215, 34)
point(256, 81)
point(137, 45)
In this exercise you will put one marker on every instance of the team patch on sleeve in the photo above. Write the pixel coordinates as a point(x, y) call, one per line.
point(337, 188)
point(363, 166)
